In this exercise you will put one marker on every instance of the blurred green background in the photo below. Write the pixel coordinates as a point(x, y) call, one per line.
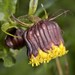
point(67, 24)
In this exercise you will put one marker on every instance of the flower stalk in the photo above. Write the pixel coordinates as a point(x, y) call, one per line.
point(60, 71)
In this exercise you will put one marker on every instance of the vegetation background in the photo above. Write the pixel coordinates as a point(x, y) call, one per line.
point(67, 24)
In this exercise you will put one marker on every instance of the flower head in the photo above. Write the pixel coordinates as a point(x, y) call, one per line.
point(44, 42)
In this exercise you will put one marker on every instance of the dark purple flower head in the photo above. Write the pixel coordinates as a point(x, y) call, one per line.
point(42, 35)
point(44, 42)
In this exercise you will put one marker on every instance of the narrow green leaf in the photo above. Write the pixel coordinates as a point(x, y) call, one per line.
point(33, 6)
point(47, 5)
point(46, 14)
point(7, 7)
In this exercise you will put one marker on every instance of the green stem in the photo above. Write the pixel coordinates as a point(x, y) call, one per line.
point(21, 23)
point(66, 66)
point(59, 67)
point(34, 19)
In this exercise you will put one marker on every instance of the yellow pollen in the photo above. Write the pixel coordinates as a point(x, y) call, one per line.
point(43, 57)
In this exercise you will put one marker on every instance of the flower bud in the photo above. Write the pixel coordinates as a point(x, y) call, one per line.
point(15, 42)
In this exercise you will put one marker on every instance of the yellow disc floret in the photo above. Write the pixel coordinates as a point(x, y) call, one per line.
point(45, 57)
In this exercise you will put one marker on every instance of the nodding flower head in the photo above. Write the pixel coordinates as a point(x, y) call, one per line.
point(44, 42)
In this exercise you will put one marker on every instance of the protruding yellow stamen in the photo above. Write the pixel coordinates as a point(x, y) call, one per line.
point(43, 57)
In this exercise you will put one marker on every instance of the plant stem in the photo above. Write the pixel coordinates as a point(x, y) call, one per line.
point(20, 22)
point(66, 66)
point(59, 67)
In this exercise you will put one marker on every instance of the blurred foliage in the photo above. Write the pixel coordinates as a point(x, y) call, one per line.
point(7, 7)
point(67, 24)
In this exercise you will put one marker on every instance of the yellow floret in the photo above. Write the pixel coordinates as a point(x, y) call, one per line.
point(43, 57)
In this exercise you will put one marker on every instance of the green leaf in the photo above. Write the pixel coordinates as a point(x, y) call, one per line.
point(3, 53)
point(33, 6)
point(46, 14)
point(47, 5)
point(8, 61)
point(7, 7)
